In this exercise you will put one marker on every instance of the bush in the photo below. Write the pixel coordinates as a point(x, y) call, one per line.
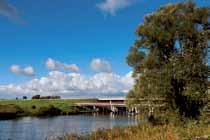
point(45, 97)
point(10, 111)
point(48, 111)
point(36, 97)
point(50, 97)
point(24, 97)
point(33, 107)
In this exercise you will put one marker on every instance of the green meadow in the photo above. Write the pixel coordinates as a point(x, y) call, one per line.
point(40, 107)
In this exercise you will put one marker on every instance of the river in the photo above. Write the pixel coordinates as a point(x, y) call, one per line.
point(32, 128)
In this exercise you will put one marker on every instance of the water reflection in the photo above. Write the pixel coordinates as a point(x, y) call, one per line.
point(39, 128)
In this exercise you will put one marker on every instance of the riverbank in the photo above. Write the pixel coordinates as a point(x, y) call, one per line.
point(10, 109)
point(190, 131)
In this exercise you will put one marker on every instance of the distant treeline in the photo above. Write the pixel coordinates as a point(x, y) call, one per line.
point(45, 97)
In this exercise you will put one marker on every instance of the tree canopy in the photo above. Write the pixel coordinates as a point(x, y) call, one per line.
point(168, 57)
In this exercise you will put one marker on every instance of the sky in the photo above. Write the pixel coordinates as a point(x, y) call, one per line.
point(72, 48)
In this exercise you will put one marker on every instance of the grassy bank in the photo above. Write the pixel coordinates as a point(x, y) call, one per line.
point(190, 131)
point(17, 108)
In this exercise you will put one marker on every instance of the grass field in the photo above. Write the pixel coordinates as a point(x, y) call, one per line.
point(34, 107)
point(147, 131)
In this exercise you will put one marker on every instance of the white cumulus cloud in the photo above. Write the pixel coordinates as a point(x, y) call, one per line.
point(15, 69)
point(73, 85)
point(51, 64)
point(56, 65)
point(28, 71)
point(112, 6)
point(100, 65)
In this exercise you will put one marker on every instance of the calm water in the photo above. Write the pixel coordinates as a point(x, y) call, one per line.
point(29, 128)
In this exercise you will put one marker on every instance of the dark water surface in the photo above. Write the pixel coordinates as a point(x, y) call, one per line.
point(29, 128)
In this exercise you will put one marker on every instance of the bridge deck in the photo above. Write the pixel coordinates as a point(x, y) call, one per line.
point(102, 104)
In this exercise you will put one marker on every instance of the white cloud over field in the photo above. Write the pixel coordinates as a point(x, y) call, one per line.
point(71, 84)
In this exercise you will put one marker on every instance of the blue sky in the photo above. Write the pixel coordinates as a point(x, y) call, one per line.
point(70, 32)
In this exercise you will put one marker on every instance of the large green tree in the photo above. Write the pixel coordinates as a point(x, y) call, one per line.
point(168, 57)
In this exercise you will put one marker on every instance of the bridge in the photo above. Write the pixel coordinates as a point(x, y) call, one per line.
point(107, 105)
point(118, 105)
